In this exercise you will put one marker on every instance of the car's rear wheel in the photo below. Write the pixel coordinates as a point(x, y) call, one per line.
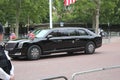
point(90, 48)
point(34, 52)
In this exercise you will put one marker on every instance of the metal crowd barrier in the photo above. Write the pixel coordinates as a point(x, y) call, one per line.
point(93, 70)
point(83, 72)
point(57, 77)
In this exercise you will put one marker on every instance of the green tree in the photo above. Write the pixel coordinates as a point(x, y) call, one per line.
point(23, 11)
point(89, 11)
point(110, 12)
point(37, 11)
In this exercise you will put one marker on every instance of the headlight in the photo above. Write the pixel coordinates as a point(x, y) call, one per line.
point(20, 45)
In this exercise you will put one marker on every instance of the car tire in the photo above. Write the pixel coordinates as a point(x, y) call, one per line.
point(34, 52)
point(90, 48)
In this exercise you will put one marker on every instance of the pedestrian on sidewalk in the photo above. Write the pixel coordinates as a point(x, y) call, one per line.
point(6, 68)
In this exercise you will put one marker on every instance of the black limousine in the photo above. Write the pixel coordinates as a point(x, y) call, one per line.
point(54, 40)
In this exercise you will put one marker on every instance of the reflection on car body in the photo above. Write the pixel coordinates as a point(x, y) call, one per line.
point(48, 41)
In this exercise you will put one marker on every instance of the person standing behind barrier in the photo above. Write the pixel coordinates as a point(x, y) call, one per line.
point(31, 35)
point(12, 36)
point(6, 68)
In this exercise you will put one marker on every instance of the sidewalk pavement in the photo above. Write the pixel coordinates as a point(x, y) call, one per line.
point(111, 39)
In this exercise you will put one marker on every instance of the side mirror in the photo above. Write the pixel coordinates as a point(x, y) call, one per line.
point(49, 36)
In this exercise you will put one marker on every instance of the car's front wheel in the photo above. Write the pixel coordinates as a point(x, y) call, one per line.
point(34, 52)
point(90, 48)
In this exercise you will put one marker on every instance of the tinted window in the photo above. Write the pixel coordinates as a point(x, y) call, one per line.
point(68, 32)
point(63, 33)
point(81, 32)
point(71, 32)
point(55, 33)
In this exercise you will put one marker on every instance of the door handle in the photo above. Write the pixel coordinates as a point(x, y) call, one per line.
point(59, 40)
point(76, 39)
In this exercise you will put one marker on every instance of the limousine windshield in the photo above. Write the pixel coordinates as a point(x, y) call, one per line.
point(40, 33)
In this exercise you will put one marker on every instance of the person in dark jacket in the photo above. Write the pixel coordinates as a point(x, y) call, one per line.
point(6, 68)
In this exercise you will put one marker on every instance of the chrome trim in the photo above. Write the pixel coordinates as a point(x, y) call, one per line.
point(50, 51)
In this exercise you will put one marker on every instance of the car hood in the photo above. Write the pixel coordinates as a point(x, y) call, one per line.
point(25, 40)
point(19, 41)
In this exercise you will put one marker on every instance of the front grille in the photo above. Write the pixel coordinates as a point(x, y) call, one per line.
point(10, 46)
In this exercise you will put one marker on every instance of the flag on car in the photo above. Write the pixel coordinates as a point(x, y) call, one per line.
point(68, 2)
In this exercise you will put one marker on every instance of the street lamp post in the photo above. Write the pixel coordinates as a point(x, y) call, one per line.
point(50, 13)
point(109, 34)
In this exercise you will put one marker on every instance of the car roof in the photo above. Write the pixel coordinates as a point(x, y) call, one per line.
point(67, 28)
point(64, 28)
